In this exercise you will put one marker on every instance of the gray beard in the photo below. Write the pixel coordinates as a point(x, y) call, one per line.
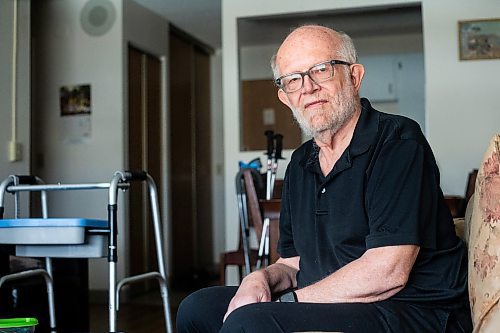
point(347, 103)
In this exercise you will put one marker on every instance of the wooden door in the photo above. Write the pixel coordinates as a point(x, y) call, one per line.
point(203, 163)
point(144, 153)
point(190, 160)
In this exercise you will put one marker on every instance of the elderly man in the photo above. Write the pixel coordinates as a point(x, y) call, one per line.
point(367, 243)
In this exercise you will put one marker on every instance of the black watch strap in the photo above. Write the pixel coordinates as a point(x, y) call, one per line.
point(288, 297)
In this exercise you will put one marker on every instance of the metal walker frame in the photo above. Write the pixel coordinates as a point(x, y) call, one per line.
point(120, 180)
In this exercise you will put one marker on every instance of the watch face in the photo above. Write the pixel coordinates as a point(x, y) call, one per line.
point(288, 297)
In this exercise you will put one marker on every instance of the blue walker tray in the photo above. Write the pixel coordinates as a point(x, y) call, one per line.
point(55, 237)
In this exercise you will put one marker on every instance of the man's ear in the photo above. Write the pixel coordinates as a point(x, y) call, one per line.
point(283, 98)
point(357, 73)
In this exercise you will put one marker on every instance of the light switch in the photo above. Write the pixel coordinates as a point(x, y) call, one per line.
point(15, 151)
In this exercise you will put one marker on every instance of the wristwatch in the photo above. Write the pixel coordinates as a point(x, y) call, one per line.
point(288, 297)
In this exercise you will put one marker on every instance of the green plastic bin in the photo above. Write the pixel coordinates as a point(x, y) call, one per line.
point(18, 325)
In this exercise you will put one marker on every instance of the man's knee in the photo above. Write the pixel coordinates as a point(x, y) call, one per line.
point(186, 313)
point(248, 318)
point(203, 310)
point(192, 310)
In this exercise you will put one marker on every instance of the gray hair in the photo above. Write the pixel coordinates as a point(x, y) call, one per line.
point(346, 51)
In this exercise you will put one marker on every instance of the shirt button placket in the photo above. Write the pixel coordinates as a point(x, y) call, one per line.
point(321, 204)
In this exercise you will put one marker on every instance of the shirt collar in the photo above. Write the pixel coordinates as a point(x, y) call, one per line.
point(366, 129)
point(364, 134)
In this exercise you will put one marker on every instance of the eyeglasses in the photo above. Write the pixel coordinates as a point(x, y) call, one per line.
point(321, 72)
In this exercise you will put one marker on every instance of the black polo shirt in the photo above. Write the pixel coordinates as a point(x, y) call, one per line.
point(384, 190)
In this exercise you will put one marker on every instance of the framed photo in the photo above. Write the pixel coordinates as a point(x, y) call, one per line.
point(75, 100)
point(479, 39)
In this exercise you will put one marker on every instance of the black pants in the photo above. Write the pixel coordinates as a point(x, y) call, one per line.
point(204, 310)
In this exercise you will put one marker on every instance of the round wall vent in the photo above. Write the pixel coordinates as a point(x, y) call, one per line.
point(97, 17)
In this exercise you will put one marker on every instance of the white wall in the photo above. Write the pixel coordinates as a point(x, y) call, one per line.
point(22, 84)
point(462, 111)
point(411, 75)
point(255, 62)
point(460, 115)
point(66, 55)
point(218, 195)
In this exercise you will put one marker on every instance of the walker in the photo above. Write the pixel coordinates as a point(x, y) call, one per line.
point(78, 237)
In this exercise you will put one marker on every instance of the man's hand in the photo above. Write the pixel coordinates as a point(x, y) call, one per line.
point(258, 286)
point(253, 289)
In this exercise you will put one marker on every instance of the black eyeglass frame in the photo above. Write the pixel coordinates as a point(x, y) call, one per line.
point(302, 74)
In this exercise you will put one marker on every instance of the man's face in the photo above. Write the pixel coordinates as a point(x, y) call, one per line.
point(317, 107)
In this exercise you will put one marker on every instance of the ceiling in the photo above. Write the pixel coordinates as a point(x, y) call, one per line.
point(202, 19)
point(367, 22)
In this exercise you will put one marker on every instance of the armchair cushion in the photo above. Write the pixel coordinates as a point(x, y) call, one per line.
point(484, 243)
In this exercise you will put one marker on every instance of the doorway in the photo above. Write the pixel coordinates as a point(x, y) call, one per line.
point(144, 153)
point(190, 160)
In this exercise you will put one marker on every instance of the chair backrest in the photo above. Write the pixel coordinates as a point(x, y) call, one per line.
point(484, 243)
point(471, 184)
point(278, 188)
point(253, 208)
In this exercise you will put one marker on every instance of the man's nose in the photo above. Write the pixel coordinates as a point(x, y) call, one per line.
point(309, 85)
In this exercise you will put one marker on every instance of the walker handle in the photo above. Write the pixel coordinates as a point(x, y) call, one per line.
point(26, 180)
point(138, 175)
point(270, 144)
point(279, 147)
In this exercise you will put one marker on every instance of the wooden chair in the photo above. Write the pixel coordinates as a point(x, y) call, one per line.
point(456, 203)
point(271, 210)
point(471, 183)
point(237, 257)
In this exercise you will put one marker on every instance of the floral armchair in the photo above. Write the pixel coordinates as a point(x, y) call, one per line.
point(481, 231)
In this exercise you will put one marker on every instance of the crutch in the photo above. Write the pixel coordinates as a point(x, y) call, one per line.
point(277, 156)
point(264, 238)
point(270, 153)
point(243, 217)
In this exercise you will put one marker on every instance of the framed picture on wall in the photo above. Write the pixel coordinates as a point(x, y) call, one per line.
point(479, 39)
point(75, 100)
